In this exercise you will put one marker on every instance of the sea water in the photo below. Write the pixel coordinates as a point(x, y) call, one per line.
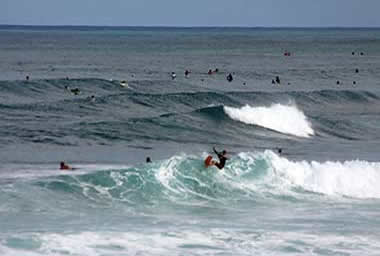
point(318, 195)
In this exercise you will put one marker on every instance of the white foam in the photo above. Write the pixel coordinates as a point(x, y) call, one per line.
point(116, 243)
point(173, 171)
point(266, 172)
point(31, 171)
point(359, 179)
point(282, 118)
point(207, 241)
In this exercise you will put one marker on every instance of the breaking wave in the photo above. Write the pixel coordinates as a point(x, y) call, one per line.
point(281, 118)
point(182, 179)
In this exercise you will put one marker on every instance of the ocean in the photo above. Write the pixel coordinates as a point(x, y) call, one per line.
point(303, 169)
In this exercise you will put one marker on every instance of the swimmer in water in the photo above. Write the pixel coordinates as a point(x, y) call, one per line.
point(230, 78)
point(64, 166)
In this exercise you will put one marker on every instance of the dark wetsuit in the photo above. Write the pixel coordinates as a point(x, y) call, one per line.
point(222, 160)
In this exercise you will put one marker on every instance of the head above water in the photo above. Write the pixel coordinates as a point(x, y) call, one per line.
point(224, 152)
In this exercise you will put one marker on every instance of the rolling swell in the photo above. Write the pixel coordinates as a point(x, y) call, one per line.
point(43, 111)
point(213, 113)
point(40, 90)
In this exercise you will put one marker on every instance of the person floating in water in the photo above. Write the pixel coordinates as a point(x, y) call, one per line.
point(75, 91)
point(230, 78)
point(64, 166)
point(148, 160)
point(222, 158)
point(92, 98)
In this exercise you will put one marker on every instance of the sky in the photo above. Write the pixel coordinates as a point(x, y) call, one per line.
point(244, 13)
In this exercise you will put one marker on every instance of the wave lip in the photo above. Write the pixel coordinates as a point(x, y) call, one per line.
point(282, 118)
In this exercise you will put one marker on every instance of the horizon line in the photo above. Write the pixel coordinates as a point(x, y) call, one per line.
point(173, 26)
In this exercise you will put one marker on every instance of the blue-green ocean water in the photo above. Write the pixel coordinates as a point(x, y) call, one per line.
point(319, 196)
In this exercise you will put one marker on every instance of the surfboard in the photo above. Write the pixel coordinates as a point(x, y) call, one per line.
point(208, 161)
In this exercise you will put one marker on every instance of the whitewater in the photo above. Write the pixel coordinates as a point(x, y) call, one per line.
point(285, 119)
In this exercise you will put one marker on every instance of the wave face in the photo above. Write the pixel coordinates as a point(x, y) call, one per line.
point(281, 118)
point(183, 180)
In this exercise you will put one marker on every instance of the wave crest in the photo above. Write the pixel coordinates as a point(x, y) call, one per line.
point(282, 118)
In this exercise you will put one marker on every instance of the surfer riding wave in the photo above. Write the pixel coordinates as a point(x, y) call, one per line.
point(222, 159)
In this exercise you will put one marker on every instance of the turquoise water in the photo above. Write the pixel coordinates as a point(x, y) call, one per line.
point(319, 196)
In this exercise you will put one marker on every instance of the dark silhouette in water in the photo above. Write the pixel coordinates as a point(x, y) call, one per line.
point(63, 166)
point(76, 91)
point(230, 78)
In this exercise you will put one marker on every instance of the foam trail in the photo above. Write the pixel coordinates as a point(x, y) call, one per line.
point(281, 118)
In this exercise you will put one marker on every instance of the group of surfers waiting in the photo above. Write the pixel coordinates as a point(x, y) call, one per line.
point(229, 77)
